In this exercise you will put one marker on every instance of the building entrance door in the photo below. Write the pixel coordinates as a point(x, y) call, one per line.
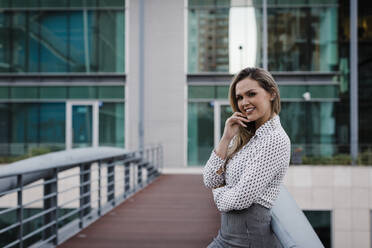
point(81, 124)
point(222, 111)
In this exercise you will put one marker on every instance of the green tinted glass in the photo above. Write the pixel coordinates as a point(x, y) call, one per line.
point(24, 92)
point(321, 221)
point(82, 92)
point(223, 39)
point(111, 92)
point(82, 126)
point(313, 47)
point(201, 92)
point(61, 3)
point(4, 92)
point(316, 91)
point(291, 91)
point(222, 92)
point(111, 124)
point(324, 91)
point(53, 92)
point(200, 132)
point(70, 41)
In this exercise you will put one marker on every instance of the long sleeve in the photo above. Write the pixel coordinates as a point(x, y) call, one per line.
point(267, 167)
point(211, 178)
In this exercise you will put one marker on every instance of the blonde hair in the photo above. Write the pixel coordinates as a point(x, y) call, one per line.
point(267, 82)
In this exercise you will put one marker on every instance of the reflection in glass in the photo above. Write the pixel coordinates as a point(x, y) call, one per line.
point(303, 39)
point(200, 132)
point(27, 126)
point(319, 120)
point(224, 39)
point(82, 126)
point(49, 41)
point(320, 220)
point(5, 42)
point(111, 124)
point(52, 35)
point(244, 38)
point(226, 112)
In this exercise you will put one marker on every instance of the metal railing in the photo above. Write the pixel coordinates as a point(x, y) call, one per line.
point(68, 190)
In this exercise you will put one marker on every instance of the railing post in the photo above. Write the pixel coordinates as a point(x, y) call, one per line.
point(111, 182)
point(99, 189)
point(126, 179)
point(139, 173)
point(84, 189)
point(51, 203)
point(20, 209)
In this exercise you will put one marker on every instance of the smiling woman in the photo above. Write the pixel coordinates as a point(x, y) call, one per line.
point(248, 165)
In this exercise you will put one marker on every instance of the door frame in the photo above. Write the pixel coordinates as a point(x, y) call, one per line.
point(95, 120)
point(217, 119)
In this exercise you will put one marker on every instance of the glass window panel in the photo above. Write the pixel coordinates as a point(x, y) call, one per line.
point(108, 41)
point(54, 55)
point(23, 92)
point(222, 92)
point(200, 132)
point(23, 3)
point(321, 222)
point(53, 3)
point(62, 41)
point(79, 40)
point(61, 3)
point(5, 42)
point(303, 39)
point(292, 91)
point(111, 3)
point(209, 3)
point(52, 125)
point(286, 2)
point(224, 39)
point(323, 91)
point(82, 126)
point(33, 41)
point(53, 92)
point(316, 91)
point(24, 127)
point(83, 3)
point(19, 46)
point(365, 79)
point(201, 92)
point(311, 125)
point(4, 128)
point(113, 92)
point(111, 124)
point(226, 112)
point(4, 92)
point(301, 2)
point(82, 92)
point(4, 3)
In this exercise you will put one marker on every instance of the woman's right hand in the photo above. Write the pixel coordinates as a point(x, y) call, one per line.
point(232, 125)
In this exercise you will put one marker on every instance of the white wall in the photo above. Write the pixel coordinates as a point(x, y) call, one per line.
point(345, 190)
point(165, 78)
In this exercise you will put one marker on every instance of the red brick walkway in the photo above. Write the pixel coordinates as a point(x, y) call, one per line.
point(174, 211)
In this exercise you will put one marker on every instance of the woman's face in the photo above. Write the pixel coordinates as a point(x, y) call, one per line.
point(253, 101)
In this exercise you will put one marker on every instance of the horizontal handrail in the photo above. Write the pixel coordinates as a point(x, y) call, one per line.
point(107, 176)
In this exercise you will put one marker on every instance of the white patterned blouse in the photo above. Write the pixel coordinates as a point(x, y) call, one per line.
point(254, 173)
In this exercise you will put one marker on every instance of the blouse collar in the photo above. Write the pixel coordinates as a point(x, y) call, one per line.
point(268, 126)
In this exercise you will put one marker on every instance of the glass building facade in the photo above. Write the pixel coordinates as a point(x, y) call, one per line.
point(61, 37)
point(54, 56)
point(307, 51)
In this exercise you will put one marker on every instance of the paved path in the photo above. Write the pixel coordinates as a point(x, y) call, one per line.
point(174, 211)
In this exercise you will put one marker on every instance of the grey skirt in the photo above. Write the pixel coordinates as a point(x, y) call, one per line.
point(249, 227)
